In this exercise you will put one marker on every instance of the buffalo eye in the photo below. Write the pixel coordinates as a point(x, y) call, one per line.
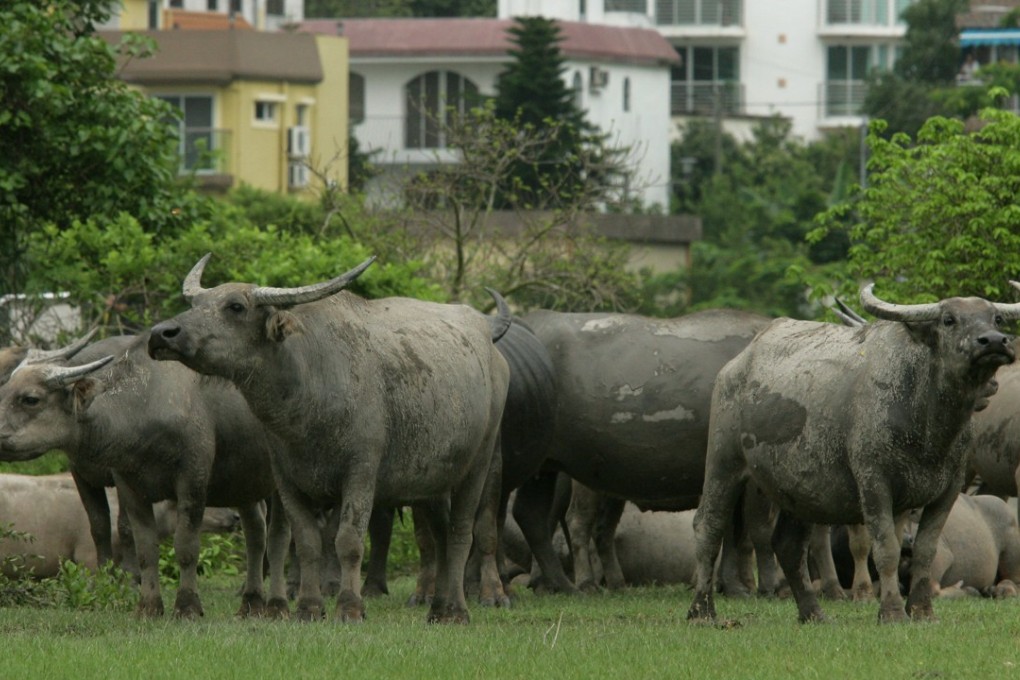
point(235, 307)
point(999, 320)
point(948, 320)
point(30, 400)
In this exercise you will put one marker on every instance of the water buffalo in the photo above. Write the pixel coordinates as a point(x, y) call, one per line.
point(995, 457)
point(392, 401)
point(47, 508)
point(845, 425)
point(633, 403)
point(163, 432)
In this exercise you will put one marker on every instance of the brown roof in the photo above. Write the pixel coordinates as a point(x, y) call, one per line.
point(489, 37)
point(220, 57)
point(203, 21)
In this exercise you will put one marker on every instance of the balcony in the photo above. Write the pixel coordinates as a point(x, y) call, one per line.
point(843, 98)
point(699, 12)
point(703, 98)
point(205, 153)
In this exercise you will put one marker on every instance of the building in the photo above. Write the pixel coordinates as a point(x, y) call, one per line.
point(156, 15)
point(406, 71)
point(805, 60)
point(260, 108)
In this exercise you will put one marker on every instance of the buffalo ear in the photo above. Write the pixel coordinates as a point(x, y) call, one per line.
point(82, 393)
point(281, 324)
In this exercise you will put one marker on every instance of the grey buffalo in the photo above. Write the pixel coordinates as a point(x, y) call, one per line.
point(390, 402)
point(163, 432)
point(633, 403)
point(845, 425)
point(996, 452)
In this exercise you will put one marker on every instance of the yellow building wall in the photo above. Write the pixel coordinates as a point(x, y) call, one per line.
point(330, 122)
point(134, 15)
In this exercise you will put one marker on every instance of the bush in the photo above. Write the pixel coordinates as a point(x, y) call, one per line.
point(219, 554)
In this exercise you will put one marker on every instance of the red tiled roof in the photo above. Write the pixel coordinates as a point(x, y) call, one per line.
point(203, 21)
point(489, 37)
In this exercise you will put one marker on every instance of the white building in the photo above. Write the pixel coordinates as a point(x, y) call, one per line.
point(404, 71)
point(805, 60)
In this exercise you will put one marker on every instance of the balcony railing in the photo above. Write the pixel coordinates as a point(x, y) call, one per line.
point(703, 98)
point(843, 97)
point(205, 151)
point(699, 12)
point(639, 6)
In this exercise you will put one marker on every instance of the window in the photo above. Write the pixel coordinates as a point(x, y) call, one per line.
point(708, 77)
point(275, 7)
point(434, 100)
point(867, 12)
point(698, 12)
point(196, 137)
point(356, 98)
point(235, 6)
point(265, 112)
point(177, 4)
point(577, 85)
point(640, 6)
point(153, 15)
point(212, 5)
point(847, 69)
point(626, 94)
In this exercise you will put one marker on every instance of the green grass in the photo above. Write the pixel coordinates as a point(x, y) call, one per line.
point(638, 633)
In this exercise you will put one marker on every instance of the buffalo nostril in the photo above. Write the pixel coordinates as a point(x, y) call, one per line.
point(994, 338)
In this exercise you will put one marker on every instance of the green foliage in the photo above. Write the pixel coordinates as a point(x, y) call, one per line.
point(77, 141)
point(931, 54)
point(47, 464)
point(756, 209)
point(939, 217)
point(124, 277)
point(218, 555)
point(108, 588)
point(400, 8)
point(74, 587)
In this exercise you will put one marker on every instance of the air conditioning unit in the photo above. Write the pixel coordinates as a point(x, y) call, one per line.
point(299, 142)
point(598, 78)
point(297, 175)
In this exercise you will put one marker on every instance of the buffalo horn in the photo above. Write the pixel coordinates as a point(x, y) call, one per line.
point(59, 376)
point(500, 323)
point(39, 356)
point(891, 312)
point(193, 281)
point(287, 297)
point(1010, 311)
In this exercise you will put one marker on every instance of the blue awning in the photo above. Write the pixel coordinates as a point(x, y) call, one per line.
point(974, 37)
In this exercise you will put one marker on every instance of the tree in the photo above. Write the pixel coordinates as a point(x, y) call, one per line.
point(914, 90)
point(939, 216)
point(531, 93)
point(400, 8)
point(77, 142)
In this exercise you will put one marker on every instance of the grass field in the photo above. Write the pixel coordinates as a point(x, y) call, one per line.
point(637, 633)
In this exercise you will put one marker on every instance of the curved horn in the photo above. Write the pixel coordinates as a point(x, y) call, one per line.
point(288, 297)
point(1009, 311)
point(848, 316)
point(501, 322)
point(891, 312)
point(59, 376)
point(39, 356)
point(193, 281)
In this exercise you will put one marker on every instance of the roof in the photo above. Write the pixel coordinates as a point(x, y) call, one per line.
point(219, 57)
point(203, 21)
point(476, 37)
point(985, 14)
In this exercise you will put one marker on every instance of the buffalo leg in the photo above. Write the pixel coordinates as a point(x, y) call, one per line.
point(253, 523)
point(97, 509)
point(580, 526)
point(143, 525)
point(355, 512)
point(821, 549)
point(187, 542)
point(790, 542)
point(308, 546)
point(876, 503)
point(532, 510)
point(330, 565)
point(607, 518)
point(428, 559)
point(486, 536)
point(759, 523)
point(278, 543)
point(860, 548)
point(929, 528)
point(380, 533)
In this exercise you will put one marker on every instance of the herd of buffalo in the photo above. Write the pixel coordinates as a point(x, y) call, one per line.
point(817, 455)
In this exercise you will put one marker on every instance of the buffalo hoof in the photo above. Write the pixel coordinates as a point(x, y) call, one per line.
point(814, 615)
point(374, 589)
point(150, 609)
point(736, 590)
point(702, 610)
point(863, 593)
point(894, 614)
point(449, 615)
point(496, 600)
point(331, 588)
point(1003, 589)
point(833, 591)
point(418, 599)
point(277, 608)
point(187, 605)
point(309, 610)
point(589, 587)
point(350, 608)
point(253, 605)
